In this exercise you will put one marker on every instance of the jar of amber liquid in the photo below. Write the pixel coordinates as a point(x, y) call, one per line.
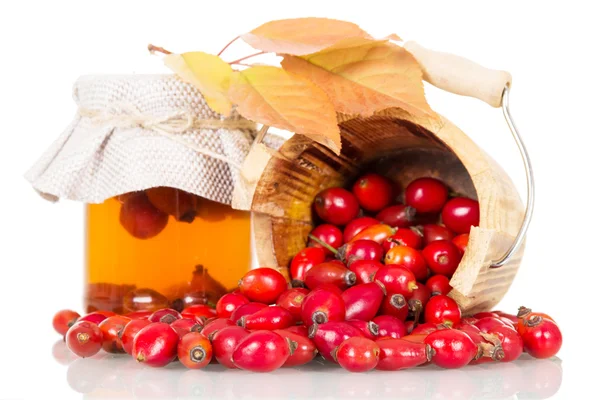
point(163, 247)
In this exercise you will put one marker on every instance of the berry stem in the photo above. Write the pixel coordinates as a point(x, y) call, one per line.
point(247, 57)
point(227, 45)
point(157, 49)
point(322, 243)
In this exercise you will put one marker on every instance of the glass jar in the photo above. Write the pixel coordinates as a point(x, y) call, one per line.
point(163, 247)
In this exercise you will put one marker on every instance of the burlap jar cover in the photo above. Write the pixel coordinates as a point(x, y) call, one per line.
point(134, 132)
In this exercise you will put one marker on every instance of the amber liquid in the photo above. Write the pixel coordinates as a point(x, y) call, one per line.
point(172, 263)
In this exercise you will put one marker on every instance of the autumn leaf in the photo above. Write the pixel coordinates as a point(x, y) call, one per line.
point(302, 35)
point(272, 96)
point(362, 76)
point(208, 73)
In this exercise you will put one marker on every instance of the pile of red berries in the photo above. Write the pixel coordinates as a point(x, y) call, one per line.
point(373, 295)
point(265, 325)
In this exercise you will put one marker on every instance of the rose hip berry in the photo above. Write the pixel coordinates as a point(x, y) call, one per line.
point(460, 214)
point(262, 351)
point(442, 309)
point(186, 325)
point(418, 300)
point(94, 318)
point(356, 226)
point(329, 272)
point(194, 350)
point(269, 318)
point(426, 195)
point(111, 329)
point(246, 309)
point(199, 312)
point(390, 326)
point(321, 306)
point(305, 260)
point(461, 241)
point(212, 327)
point(373, 192)
point(541, 337)
point(165, 315)
point(368, 328)
point(325, 236)
point(434, 232)
point(63, 320)
point(263, 285)
point(129, 332)
point(511, 342)
point(305, 350)
point(453, 348)
point(357, 354)
point(292, 300)
point(363, 301)
point(331, 334)
point(397, 216)
point(439, 284)
point(397, 354)
point(442, 257)
point(155, 345)
point(365, 270)
point(360, 250)
point(229, 303)
point(376, 233)
point(140, 218)
point(394, 305)
point(397, 280)
point(408, 258)
point(84, 338)
point(224, 343)
point(336, 206)
point(404, 237)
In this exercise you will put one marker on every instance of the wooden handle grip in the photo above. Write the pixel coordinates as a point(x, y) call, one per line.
point(458, 75)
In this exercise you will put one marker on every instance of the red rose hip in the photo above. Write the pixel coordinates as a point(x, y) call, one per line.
point(368, 328)
point(111, 329)
point(63, 320)
point(373, 192)
point(303, 261)
point(292, 300)
point(225, 341)
point(229, 303)
point(263, 285)
point(194, 350)
point(408, 258)
point(262, 351)
point(404, 237)
point(336, 206)
point(305, 349)
point(356, 226)
point(397, 354)
point(460, 214)
point(329, 335)
point(186, 325)
point(453, 348)
point(442, 309)
point(390, 326)
point(321, 306)
point(269, 318)
point(397, 216)
point(541, 337)
point(212, 327)
point(365, 270)
point(246, 309)
point(332, 273)
point(434, 232)
point(155, 345)
point(326, 237)
point(165, 315)
point(426, 195)
point(442, 257)
point(357, 354)
point(363, 301)
point(360, 250)
point(439, 284)
point(84, 338)
point(129, 332)
point(397, 280)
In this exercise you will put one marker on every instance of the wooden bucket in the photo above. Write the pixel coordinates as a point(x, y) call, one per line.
point(402, 147)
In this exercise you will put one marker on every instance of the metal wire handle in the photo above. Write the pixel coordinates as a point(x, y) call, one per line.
point(530, 184)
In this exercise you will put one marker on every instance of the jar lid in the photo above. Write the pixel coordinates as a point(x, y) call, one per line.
point(134, 132)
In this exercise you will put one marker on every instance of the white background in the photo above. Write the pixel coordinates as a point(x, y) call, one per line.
point(549, 47)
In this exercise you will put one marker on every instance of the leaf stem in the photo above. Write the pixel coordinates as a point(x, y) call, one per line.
point(247, 57)
point(322, 243)
point(227, 45)
point(156, 49)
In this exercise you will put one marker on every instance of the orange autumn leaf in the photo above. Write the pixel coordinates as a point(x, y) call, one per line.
point(208, 73)
point(302, 35)
point(272, 96)
point(362, 76)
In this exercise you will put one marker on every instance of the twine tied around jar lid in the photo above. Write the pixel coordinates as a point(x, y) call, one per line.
point(125, 115)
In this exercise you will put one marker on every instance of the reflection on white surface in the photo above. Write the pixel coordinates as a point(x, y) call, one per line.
point(108, 376)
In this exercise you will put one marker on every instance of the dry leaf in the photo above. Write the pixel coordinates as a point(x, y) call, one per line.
point(208, 73)
point(362, 76)
point(272, 96)
point(302, 35)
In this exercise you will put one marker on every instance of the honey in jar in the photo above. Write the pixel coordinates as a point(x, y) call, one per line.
point(163, 247)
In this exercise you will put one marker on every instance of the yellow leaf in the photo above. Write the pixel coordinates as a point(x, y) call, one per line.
point(272, 96)
point(362, 76)
point(208, 73)
point(302, 35)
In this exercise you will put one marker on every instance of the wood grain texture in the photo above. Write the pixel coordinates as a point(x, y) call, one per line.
point(403, 147)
